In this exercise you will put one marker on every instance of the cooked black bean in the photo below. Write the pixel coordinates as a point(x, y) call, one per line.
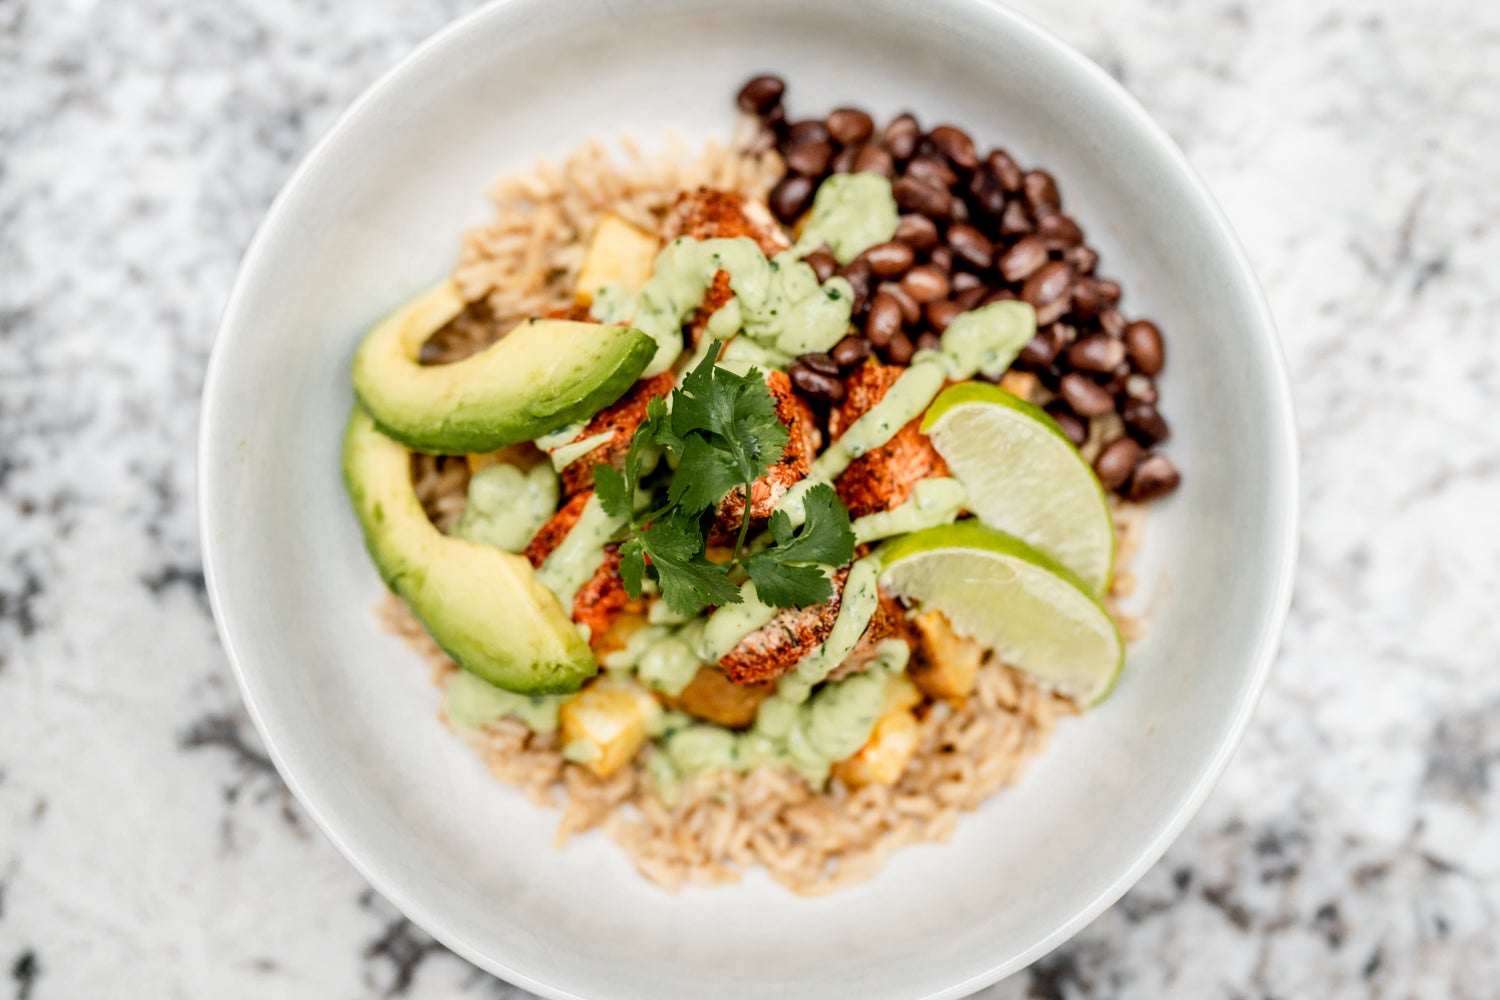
point(969, 298)
point(958, 209)
point(774, 119)
point(918, 232)
point(815, 384)
point(1058, 231)
point(857, 272)
point(791, 197)
point(988, 196)
point(1049, 291)
point(760, 93)
point(807, 130)
point(1142, 388)
point(1015, 220)
point(820, 362)
point(932, 171)
point(940, 313)
point(914, 196)
point(823, 263)
point(911, 309)
point(942, 259)
point(810, 158)
point(1109, 290)
point(999, 295)
point(851, 350)
point(872, 159)
point(844, 160)
point(1085, 397)
point(1004, 170)
point(850, 125)
point(1112, 322)
point(885, 320)
point(1116, 462)
point(1041, 192)
point(901, 136)
point(1086, 298)
point(955, 144)
point(900, 349)
point(929, 341)
point(1097, 353)
point(925, 283)
point(1145, 422)
point(1076, 430)
point(963, 281)
point(889, 260)
point(1040, 350)
point(1143, 341)
point(1082, 257)
point(971, 246)
point(1024, 258)
point(1154, 477)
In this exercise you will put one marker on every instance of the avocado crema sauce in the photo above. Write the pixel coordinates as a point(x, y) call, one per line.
point(779, 312)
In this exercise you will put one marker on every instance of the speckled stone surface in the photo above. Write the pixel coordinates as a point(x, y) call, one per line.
point(147, 848)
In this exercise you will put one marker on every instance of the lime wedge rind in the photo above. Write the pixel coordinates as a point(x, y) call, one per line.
point(1035, 613)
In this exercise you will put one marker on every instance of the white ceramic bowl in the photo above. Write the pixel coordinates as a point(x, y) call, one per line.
point(375, 214)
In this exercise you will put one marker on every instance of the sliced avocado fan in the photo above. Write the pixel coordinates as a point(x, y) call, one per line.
point(540, 376)
point(483, 606)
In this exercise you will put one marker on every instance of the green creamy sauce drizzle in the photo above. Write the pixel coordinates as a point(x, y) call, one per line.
point(663, 658)
point(507, 507)
point(850, 213)
point(472, 703)
point(565, 455)
point(779, 307)
point(581, 553)
point(932, 502)
point(731, 623)
point(777, 302)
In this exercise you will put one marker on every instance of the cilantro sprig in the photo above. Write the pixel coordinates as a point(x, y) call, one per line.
point(722, 434)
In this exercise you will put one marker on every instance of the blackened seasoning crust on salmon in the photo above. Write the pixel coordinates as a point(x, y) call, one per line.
point(620, 420)
point(803, 441)
point(883, 477)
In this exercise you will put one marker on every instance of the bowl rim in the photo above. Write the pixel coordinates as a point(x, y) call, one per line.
point(1280, 429)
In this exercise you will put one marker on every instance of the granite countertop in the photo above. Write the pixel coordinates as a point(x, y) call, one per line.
point(147, 847)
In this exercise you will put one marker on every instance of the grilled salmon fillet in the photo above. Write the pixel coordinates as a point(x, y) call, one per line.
point(883, 477)
point(803, 441)
point(776, 647)
point(620, 420)
point(602, 598)
point(707, 214)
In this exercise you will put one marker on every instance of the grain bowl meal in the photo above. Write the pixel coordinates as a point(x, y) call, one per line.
point(766, 504)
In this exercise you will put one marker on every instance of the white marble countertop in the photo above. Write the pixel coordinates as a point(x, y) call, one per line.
point(147, 848)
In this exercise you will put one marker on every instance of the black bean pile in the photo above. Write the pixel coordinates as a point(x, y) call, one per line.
point(974, 230)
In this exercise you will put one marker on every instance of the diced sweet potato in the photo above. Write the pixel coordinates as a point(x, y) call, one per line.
point(618, 253)
point(892, 742)
point(946, 664)
point(713, 696)
point(608, 722)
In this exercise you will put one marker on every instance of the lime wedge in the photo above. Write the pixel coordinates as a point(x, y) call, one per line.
point(1032, 612)
point(1025, 477)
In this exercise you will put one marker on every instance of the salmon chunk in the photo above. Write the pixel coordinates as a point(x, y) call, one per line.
point(602, 598)
point(883, 477)
point(776, 647)
point(619, 420)
point(803, 441)
point(707, 214)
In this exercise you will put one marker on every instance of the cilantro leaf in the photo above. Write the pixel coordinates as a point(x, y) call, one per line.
point(704, 474)
point(788, 573)
point(615, 494)
point(787, 586)
point(632, 566)
point(826, 535)
point(688, 580)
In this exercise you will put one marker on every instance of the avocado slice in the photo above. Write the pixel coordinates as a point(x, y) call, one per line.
point(540, 376)
point(483, 606)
